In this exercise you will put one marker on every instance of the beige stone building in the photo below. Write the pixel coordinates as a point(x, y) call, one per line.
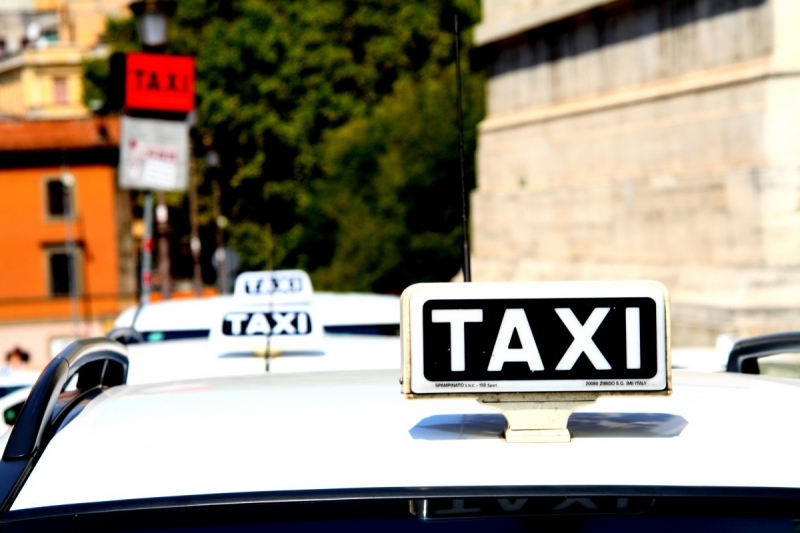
point(42, 83)
point(42, 45)
point(657, 139)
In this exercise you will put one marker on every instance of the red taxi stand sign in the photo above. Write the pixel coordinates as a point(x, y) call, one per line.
point(159, 82)
point(476, 339)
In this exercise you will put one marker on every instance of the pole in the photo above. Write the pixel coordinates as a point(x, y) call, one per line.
point(219, 253)
point(162, 217)
point(464, 226)
point(147, 249)
point(194, 242)
point(67, 183)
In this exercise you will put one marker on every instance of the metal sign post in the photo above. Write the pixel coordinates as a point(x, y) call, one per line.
point(147, 249)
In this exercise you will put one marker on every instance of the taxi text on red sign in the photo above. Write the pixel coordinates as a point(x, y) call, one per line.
point(157, 82)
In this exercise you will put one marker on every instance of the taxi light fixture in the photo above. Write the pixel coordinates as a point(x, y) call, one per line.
point(535, 351)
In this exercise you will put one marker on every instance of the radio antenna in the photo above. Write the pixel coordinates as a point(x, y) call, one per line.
point(464, 226)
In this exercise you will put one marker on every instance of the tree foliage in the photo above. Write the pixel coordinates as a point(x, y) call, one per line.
point(336, 128)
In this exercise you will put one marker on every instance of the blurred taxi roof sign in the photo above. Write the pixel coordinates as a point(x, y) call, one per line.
point(275, 286)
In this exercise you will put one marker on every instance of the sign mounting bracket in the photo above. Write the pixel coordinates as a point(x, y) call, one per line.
point(543, 420)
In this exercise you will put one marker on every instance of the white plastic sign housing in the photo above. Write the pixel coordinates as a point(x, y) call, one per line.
point(272, 313)
point(277, 286)
point(498, 339)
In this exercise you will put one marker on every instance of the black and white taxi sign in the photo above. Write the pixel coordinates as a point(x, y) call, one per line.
point(271, 312)
point(477, 338)
point(275, 286)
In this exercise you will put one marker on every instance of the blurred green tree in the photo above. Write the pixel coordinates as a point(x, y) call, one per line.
point(336, 129)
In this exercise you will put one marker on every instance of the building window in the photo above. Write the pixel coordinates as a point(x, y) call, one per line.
point(63, 269)
point(60, 86)
point(60, 201)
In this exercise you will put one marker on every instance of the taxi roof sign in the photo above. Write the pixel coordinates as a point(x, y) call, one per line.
point(271, 313)
point(274, 286)
point(565, 340)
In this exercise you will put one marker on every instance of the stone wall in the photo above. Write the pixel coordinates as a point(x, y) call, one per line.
point(652, 140)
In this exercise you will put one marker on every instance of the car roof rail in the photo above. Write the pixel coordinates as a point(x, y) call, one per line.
point(745, 353)
point(99, 363)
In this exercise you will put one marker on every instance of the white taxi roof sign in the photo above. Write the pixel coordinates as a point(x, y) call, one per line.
point(558, 339)
point(274, 286)
point(267, 330)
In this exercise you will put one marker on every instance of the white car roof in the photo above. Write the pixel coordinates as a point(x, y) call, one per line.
point(300, 432)
point(197, 358)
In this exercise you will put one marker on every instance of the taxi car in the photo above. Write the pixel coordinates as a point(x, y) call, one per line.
point(195, 318)
point(183, 339)
point(347, 451)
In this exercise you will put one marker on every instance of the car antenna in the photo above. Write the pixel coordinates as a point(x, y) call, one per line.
point(464, 226)
point(271, 303)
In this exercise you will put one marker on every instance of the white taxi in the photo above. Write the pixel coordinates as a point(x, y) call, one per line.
point(647, 448)
point(274, 321)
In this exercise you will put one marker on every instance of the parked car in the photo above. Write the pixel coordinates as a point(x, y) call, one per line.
point(346, 450)
point(227, 335)
point(11, 405)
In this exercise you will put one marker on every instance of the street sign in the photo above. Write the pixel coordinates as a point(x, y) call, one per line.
point(159, 82)
point(154, 154)
point(495, 338)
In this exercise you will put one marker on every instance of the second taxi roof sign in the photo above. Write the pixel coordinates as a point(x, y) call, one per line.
point(471, 339)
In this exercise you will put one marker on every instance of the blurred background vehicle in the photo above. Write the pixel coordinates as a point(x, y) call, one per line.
point(182, 339)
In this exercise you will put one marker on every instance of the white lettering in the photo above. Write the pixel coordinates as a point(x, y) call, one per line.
point(583, 342)
point(258, 324)
point(283, 323)
point(236, 320)
point(283, 284)
point(457, 318)
point(633, 343)
point(515, 319)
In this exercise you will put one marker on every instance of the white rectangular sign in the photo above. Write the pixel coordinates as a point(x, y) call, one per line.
point(154, 154)
point(491, 338)
point(276, 286)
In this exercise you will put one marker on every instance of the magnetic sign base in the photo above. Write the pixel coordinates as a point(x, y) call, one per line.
point(537, 421)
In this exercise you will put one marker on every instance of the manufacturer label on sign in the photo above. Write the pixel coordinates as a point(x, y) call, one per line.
point(535, 337)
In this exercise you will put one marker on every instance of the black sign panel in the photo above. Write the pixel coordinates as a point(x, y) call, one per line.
point(267, 323)
point(603, 339)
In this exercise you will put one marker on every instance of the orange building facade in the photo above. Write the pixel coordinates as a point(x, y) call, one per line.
point(66, 250)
